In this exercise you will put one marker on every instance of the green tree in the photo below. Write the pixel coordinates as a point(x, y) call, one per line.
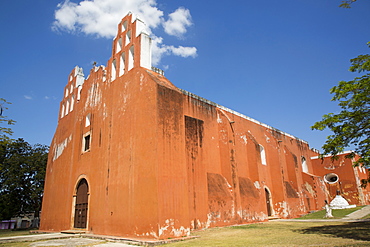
point(5, 132)
point(351, 126)
point(22, 173)
point(347, 3)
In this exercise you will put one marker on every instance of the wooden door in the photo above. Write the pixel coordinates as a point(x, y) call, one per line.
point(81, 205)
point(268, 202)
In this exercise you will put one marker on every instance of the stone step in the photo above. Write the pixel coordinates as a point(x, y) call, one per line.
point(74, 231)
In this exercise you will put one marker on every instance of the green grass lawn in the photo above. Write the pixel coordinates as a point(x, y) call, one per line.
point(20, 244)
point(337, 213)
point(366, 217)
point(275, 233)
point(9, 233)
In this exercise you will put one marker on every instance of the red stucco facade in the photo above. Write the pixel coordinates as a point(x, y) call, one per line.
point(158, 161)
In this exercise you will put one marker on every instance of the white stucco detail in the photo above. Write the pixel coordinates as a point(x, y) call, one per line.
point(146, 51)
point(170, 227)
point(257, 185)
point(142, 77)
point(267, 138)
point(253, 216)
point(140, 27)
point(59, 148)
point(94, 96)
point(79, 88)
point(340, 203)
point(79, 74)
point(244, 138)
point(309, 188)
point(105, 113)
point(282, 209)
point(219, 119)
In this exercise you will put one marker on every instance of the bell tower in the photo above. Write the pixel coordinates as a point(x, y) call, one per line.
point(131, 47)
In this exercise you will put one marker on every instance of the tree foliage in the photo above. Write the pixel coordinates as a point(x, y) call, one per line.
point(5, 131)
point(22, 172)
point(347, 3)
point(351, 126)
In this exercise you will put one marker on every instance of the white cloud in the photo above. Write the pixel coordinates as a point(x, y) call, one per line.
point(50, 97)
point(101, 17)
point(184, 51)
point(178, 22)
point(27, 97)
point(159, 50)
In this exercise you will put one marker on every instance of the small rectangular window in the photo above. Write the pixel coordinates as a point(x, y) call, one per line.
point(86, 142)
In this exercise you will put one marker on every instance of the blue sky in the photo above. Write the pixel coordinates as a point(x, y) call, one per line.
point(274, 61)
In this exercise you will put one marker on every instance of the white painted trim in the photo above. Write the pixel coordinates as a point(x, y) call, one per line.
point(145, 51)
point(194, 96)
point(329, 155)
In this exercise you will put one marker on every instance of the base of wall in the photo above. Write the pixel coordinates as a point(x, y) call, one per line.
point(136, 241)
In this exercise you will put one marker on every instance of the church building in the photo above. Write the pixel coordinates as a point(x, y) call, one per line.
point(135, 156)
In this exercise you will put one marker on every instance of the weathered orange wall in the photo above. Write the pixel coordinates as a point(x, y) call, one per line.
point(349, 182)
point(163, 161)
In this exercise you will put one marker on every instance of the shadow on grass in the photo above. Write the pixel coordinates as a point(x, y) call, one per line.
point(352, 230)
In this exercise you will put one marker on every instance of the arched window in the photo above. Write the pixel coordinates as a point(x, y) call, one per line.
point(113, 71)
point(122, 64)
point(304, 165)
point(131, 56)
point(62, 111)
point(263, 155)
point(67, 107)
point(119, 45)
point(128, 37)
point(72, 103)
point(124, 26)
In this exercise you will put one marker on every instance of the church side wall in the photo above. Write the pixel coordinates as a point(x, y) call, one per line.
point(234, 177)
point(173, 200)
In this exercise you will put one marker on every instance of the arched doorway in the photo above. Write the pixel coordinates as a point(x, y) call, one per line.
point(81, 206)
point(268, 202)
